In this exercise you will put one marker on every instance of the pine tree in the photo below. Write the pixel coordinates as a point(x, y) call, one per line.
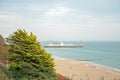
point(24, 47)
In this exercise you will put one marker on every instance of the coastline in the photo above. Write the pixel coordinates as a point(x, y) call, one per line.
point(102, 66)
point(90, 63)
point(84, 70)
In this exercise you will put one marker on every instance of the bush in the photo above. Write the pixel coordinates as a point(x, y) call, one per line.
point(4, 73)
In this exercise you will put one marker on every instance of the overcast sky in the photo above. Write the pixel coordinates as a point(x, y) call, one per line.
point(62, 20)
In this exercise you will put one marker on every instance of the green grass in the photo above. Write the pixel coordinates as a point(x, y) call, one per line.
point(4, 73)
point(3, 76)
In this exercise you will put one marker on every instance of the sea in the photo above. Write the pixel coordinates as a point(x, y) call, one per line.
point(105, 54)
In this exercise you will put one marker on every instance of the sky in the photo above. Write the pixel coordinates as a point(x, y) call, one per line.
point(62, 20)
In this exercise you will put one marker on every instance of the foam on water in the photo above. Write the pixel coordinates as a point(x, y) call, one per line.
point(55, 57)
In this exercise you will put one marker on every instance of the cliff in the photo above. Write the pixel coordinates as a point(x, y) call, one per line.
point(3, 50)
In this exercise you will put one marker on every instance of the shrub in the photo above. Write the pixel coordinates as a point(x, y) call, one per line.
point(4, 73)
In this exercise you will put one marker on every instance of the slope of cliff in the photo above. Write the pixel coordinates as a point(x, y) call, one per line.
point(3, 50)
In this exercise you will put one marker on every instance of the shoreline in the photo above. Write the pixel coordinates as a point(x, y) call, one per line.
point(83, 70)
point(102, 66)
point(90, 63)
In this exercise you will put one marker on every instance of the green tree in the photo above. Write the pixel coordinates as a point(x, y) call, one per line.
point(24, 47)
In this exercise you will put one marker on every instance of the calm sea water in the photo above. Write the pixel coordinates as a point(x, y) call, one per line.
point(103, 53)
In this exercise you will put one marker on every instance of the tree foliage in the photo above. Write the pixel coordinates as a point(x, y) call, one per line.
point(24, 47)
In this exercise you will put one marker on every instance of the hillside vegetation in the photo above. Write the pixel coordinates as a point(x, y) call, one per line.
point(27, 59)
point(4, 73)
point(3, 50)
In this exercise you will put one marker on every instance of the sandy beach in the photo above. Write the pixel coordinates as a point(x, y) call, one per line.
point(78, 70)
